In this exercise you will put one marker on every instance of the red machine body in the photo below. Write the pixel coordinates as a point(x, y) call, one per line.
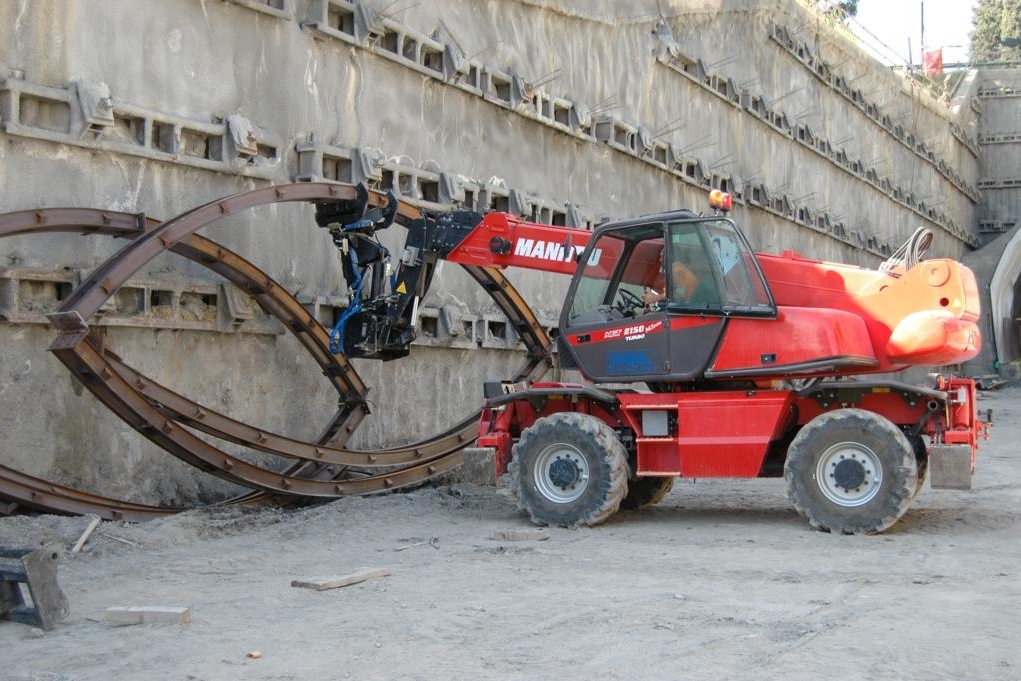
point(705, 359)
point(720, 382)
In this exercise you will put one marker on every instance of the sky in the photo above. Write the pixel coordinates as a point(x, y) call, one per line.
point(893, 23)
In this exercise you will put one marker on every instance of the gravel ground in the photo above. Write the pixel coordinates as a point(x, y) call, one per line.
point(722, 580)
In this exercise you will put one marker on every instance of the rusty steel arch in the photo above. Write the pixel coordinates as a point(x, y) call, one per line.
point(321, 469)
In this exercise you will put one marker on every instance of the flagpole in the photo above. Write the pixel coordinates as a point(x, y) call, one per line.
point(922, 17)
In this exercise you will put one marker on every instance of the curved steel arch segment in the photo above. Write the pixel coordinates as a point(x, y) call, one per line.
point(82, 220)
point(325, 469)
point(48, 497)
point(114, 273)
point(186, 412)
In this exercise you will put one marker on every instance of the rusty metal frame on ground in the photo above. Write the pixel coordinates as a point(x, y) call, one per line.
point(320, 469)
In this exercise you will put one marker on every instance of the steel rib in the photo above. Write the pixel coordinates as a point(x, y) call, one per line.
point(181, 239)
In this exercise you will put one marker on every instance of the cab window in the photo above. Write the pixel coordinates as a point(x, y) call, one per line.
point(621, 266)
point(696, 266)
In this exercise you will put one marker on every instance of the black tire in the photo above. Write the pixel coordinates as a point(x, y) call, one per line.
point(851, 471)
point(570, 469)
point(644, 492)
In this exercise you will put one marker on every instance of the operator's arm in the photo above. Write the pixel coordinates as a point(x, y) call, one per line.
point(683, 284)
point(657, 291)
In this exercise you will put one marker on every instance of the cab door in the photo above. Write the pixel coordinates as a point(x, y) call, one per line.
point(609, 327)
point(618, 324)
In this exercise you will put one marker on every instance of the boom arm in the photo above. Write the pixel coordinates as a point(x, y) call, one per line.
point(501, 240)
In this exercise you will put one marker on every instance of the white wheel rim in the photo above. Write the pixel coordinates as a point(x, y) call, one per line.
point(849, 474)
point(561, 473)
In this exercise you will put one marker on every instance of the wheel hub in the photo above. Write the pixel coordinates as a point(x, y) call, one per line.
point(563, 473)
point(849, 474)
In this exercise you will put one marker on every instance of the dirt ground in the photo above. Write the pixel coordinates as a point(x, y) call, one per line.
point(722, 580)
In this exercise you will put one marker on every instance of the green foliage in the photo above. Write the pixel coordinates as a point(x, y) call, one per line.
point(996, 32)
point(839, 10)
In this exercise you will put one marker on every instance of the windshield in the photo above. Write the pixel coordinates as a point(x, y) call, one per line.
point(735, 271)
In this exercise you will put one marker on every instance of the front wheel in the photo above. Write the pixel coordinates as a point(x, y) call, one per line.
point(851, 471)
point(571, 470)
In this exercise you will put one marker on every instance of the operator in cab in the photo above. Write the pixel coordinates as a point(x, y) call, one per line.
point(683, 284)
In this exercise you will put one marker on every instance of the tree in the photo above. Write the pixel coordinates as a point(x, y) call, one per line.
point(996, 35)
point(838, 9)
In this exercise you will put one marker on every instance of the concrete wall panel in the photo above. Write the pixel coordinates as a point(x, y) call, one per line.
point(580, 109)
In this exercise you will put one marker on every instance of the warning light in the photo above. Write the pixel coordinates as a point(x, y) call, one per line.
point(720, 200)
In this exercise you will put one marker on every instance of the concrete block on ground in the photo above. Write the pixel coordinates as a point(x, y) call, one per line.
point(146, 614)
point(531, 534)
point(478, 467)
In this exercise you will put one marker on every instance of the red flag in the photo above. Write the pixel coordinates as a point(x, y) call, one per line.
point(932, 62)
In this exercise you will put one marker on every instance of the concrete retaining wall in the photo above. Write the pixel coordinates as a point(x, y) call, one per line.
point(562, 110)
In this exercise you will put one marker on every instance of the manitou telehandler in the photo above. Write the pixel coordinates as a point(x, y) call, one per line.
point(702, 358)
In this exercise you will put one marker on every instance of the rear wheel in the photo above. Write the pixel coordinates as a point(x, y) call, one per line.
point(644, 492)
point(571, 470)
point(851, 471)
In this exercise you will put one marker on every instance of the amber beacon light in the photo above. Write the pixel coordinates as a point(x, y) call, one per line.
point(721, 201)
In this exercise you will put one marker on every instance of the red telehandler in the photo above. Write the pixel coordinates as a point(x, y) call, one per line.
point(703, 359)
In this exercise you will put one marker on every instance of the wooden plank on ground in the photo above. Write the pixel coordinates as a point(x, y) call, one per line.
point(323, 583)
point(85, 535)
